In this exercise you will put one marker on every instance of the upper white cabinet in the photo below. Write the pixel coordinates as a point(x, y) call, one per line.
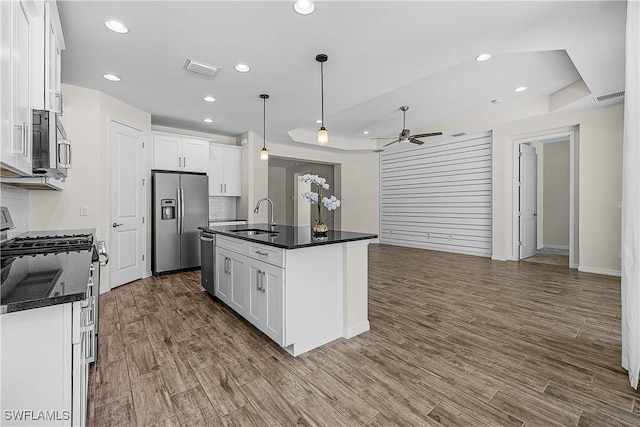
point(16, 19)
point(46, 58)
point(225, 178)
point(179, 153)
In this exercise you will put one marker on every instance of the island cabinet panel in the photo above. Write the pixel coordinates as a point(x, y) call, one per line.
point(232, 286)
point(266, 299)
point(223, 276)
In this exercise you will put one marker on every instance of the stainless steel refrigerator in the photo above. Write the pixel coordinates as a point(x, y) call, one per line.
point(180, 203)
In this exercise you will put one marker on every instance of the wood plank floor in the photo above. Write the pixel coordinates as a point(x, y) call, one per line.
point(455, 340)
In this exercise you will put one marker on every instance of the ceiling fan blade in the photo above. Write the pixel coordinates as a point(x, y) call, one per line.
point(424, 135)
point(391, 143)
point(386, 137)
point(416, 141)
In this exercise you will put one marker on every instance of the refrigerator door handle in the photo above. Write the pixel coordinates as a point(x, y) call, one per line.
point(182, 208)
point(179, 211)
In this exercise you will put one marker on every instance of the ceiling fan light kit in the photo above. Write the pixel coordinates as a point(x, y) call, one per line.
point(323, 133)
point(264, 154)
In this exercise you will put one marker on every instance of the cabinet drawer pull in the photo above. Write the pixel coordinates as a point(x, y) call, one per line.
point(262, 253)
point(262, 287)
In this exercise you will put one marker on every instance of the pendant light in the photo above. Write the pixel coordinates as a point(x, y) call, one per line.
point(323, 133)
point(264, 154)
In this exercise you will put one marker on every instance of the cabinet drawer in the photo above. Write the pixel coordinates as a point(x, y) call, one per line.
point(273, 256)
point(236, 245)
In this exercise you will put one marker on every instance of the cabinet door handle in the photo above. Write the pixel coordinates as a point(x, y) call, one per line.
point(262, 253)
point(184, 162)
point(262, 287)
point(227, 267)
point(221, 189)
point(259, 280)
point(225, 188)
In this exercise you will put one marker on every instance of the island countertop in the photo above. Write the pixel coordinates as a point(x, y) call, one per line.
point(287, 236)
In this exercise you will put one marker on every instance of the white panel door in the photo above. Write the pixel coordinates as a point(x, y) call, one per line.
point(527, 214)
point(127, 195)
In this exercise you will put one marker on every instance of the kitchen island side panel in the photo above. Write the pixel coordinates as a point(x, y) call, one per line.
point(313, 297)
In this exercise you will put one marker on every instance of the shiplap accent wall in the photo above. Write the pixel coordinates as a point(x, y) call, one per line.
point(438, 195)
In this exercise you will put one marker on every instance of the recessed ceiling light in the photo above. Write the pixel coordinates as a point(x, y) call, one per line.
point(112, 77)
point(242, 68)
point(208, 120)
point(303, 7)
point(520, 89)
point(496, 101)
point(116, 27)
point(365, 132)
point(209, 99)
point(483, 57)
point(318, 121)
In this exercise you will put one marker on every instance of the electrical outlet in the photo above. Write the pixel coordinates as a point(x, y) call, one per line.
point(84, 210)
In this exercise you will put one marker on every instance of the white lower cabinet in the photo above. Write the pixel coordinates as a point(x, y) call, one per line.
point(232, 280)
point(266, 299)
point(251, 287)
point(44, 366)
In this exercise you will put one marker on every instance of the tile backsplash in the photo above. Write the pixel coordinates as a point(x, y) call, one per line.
point(222, 208)
point(17, 200)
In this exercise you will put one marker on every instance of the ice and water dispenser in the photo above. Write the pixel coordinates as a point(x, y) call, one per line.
point(168, 208)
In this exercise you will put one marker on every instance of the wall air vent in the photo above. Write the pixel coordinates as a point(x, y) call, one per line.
point(609, 97)
point(201, 68)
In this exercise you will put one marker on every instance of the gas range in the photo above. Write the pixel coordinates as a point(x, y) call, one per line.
point(46, 244)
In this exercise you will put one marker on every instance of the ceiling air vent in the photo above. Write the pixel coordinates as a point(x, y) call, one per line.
point(201, 68)
point(610, 96)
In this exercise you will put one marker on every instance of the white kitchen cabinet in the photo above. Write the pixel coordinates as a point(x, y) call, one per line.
point(15, 110)
point(179, 153)
point(266, 299)
point(225, 178)
point(232, 287)
point(45, 366)
point(46, 58)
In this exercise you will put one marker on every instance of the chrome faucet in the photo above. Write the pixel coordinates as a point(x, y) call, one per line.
point(270, 212)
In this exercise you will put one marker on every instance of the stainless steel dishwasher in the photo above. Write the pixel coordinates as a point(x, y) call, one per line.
point(208, 261)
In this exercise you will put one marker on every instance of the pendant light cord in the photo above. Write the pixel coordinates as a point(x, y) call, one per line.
point(264, 123)
point(322, 90)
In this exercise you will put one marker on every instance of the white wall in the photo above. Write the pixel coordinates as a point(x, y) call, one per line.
point(17, 200)
point(598, 143)
point(556, 195)
point(86, 120)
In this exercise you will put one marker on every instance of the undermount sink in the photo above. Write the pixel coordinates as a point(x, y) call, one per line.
point(253, 231)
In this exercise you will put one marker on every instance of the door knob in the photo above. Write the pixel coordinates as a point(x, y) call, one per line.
point(114, 225)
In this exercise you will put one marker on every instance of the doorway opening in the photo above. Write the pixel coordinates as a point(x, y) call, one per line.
point(544, 200)
point(285, 190)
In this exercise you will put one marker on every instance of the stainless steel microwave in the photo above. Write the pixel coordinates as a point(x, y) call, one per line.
point(51, 148)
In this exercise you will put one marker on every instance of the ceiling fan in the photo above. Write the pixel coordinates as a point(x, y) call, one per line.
point(405, 135)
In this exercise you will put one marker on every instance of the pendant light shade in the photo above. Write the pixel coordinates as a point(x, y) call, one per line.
point(264, 154)
point(323, 133)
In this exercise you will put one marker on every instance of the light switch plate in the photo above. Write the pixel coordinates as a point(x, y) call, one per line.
point(84, 210)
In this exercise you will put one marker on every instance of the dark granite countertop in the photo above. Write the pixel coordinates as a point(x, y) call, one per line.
point(226, 220)
point(33, 281)
point(288, 236)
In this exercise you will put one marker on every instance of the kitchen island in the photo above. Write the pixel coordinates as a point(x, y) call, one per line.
point(301, 290)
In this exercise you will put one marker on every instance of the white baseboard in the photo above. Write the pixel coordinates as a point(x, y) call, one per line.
point(376, 240)
point(499, 258)
point(604, 271)
point(356, 330)
point(147, 274)
point(565, 248)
